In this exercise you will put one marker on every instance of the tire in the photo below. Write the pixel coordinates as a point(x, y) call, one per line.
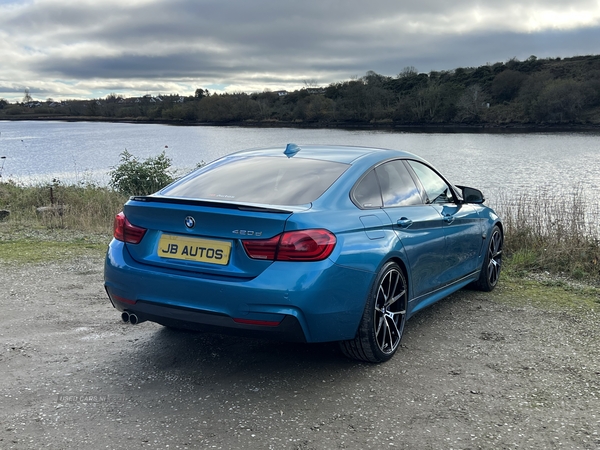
point(492, 264)
point(382, 323)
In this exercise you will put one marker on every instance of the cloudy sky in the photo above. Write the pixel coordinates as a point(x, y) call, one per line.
point(65, 49)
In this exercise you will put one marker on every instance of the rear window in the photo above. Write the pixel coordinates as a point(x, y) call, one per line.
point(261, 179)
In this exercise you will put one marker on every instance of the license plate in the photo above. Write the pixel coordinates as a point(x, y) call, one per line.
point(194, 249)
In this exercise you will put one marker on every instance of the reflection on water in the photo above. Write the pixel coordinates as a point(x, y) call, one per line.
point(510, 163)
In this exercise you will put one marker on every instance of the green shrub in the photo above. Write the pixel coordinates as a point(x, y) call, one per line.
point(135, 177)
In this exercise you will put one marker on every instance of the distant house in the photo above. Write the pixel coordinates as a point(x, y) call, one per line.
point(315, 91)
point(281, 93)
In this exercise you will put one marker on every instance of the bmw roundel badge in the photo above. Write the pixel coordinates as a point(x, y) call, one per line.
point(190, 222)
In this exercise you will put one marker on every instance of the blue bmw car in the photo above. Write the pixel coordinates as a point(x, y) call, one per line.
point(302, 243)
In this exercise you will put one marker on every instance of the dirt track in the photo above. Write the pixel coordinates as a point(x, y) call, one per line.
point(472, 373)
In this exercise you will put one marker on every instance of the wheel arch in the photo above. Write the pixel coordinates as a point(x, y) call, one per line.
point(488, 236)
point(499, 225)
point(398, 260)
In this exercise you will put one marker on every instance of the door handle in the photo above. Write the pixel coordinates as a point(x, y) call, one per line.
point(448, 218)
point(404, 222)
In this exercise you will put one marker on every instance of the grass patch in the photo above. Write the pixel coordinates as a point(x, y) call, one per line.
point(547, 293)
point(31, 243)
point(31, 251)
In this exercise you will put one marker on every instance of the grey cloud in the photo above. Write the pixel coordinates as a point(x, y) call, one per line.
point(436, 54)
point(242, 42)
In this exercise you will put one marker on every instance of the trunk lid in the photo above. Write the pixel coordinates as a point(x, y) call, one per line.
point(202, 237)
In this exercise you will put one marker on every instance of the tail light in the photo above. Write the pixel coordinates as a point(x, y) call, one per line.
point(124, 231)
point(302, 245)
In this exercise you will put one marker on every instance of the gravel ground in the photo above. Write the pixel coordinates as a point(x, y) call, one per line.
point(473, 372)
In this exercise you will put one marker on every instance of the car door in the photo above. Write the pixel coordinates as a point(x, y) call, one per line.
point(463, 228)
point(418, 226)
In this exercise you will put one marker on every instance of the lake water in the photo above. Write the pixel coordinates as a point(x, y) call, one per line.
point(37, 152)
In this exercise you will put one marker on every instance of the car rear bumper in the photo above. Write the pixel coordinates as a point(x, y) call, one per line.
point(288, 329)
point(311, 302)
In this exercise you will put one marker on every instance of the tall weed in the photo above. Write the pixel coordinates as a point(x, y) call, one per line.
point(88, 207)
point(552, 229)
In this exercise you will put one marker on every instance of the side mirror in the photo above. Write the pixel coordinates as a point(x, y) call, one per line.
point(471, 195)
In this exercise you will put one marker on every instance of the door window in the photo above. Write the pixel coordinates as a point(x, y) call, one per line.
point(435, 187)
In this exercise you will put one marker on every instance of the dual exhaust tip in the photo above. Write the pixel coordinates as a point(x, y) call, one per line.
point(130, 318)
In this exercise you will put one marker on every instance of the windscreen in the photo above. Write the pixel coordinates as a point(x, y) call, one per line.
point(261, 179)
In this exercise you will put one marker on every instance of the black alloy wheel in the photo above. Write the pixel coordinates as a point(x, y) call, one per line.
point(382, 324)
point(490, 271)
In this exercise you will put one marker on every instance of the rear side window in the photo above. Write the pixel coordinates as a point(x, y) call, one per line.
point(397, 186)
point(261, 179)
point(367, 193)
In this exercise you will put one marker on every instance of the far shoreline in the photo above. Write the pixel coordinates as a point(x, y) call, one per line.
point(448, 128)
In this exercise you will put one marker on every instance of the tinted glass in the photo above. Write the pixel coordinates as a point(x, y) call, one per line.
point(367, 193)
point(436, 188)
point(267, 180)
point(397, 186)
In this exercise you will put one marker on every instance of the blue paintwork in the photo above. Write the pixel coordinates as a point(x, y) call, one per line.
point(440, 246)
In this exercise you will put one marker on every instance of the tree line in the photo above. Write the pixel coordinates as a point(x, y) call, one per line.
point(531, 92)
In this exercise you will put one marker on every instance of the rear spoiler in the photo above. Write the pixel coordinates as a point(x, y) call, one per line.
point(218, 204)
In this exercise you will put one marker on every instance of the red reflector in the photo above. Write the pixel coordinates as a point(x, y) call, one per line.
point(262, 323)
point(301, 245)
point(124, 231)
point(122, 299)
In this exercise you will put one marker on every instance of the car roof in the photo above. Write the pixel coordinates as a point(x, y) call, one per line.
point(335, 153)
